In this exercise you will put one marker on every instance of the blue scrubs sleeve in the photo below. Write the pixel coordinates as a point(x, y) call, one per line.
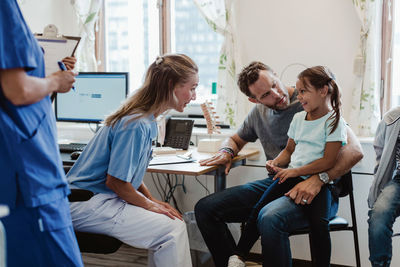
point(127, 151)
point(17, 40)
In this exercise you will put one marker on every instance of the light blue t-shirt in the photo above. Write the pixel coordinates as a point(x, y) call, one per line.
point(311, 137)
point(122, 151)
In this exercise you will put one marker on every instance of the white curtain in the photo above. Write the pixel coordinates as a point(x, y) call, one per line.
point(366, 92)
point(87, 12)
point(231, 102)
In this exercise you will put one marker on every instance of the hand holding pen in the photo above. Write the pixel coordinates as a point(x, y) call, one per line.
point(64, 68)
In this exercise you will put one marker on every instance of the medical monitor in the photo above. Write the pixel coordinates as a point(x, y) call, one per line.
point(96, 95)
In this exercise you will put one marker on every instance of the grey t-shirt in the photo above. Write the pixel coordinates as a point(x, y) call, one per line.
point(270, 126)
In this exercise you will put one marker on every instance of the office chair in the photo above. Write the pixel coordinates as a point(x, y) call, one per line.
point(344, 187)
point(92, 242)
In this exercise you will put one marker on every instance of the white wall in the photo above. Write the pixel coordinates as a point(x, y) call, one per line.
point(39, 13)
point(312, 32)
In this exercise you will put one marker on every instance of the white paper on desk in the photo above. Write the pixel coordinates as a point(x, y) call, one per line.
point(55, 50)
point(173, 159)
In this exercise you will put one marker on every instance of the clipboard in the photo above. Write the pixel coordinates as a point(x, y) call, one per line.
point(55, 47)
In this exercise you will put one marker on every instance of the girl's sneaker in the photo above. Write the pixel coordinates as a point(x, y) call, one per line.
point(235, 261)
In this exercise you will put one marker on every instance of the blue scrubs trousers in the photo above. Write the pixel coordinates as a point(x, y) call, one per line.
point(41, 236)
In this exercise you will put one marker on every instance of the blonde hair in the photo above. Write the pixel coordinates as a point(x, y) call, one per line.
point(157, 90)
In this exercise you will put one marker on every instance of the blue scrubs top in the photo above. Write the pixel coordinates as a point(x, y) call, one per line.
point(28, 149)
point(122, 151)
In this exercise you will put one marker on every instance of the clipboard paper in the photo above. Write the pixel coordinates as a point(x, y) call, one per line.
point(56, 48)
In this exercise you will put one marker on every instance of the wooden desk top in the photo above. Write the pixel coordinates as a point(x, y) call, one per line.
point(194, 168)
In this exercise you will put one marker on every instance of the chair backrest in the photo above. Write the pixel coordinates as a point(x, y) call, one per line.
point(344, 185)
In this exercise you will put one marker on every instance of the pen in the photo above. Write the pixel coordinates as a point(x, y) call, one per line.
point(63, 68)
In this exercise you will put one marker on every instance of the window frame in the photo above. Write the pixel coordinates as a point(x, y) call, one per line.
point(164, 6)
point(387, 56)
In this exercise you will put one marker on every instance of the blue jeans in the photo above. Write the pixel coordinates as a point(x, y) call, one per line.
point(381, 218)
point(318, 213)
point(275, 221)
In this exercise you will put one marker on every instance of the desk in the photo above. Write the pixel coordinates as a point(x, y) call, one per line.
point(193, 168)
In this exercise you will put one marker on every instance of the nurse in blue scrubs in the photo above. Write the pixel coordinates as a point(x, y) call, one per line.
point(32, 181)
point(115, 160)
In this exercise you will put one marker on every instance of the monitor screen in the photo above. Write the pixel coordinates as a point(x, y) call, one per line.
point(96, 95)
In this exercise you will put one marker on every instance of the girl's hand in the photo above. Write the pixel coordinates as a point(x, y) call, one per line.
point(271, 167)
point(284, 174)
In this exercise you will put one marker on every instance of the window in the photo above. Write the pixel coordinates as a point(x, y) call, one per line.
point(132, 42)
point(191, 35)
point(131, 37)
point(395, 99)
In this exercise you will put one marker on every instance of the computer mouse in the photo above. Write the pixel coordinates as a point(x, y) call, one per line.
point(75, 155)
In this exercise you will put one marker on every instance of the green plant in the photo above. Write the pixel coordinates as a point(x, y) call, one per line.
point(230, 114)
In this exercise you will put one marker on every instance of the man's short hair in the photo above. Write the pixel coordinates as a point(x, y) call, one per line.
point(249, 75)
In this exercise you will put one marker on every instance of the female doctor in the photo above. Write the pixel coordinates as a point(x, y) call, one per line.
point(32, 182)
point(115, 160)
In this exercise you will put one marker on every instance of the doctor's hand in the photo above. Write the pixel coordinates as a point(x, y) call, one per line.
point(164, 208)
point(221, 158)
point(69, 62)
point(305, 191)
point(63, 80)
point(170, 208)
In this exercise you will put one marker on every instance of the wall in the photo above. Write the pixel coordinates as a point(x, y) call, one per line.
point(39, 13)
point(312, 32)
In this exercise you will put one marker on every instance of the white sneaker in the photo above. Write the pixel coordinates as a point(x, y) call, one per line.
point(234, 261)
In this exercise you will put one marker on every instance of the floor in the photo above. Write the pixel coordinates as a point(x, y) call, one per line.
point(133, 257)
point(124, 257)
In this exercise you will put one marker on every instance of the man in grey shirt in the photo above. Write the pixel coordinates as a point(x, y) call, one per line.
point(268, 121)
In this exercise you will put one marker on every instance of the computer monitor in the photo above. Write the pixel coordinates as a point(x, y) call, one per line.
point(96, 95)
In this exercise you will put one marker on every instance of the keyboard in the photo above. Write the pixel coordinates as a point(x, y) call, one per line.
point(69, 148)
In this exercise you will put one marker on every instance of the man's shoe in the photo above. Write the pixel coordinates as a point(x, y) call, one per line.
point(235, 261)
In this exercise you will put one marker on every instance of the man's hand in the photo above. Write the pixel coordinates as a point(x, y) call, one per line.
point(221, 158)
point(305, 190)
point(284, 174)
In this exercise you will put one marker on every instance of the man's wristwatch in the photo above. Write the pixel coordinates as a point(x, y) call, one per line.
point(324, 177)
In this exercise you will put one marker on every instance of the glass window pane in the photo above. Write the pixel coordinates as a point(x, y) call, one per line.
point(131, 37)
point(396, 57)
point(191, 35)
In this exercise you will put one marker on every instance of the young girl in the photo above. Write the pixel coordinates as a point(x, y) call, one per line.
point(115, 160)
point(315, 137)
